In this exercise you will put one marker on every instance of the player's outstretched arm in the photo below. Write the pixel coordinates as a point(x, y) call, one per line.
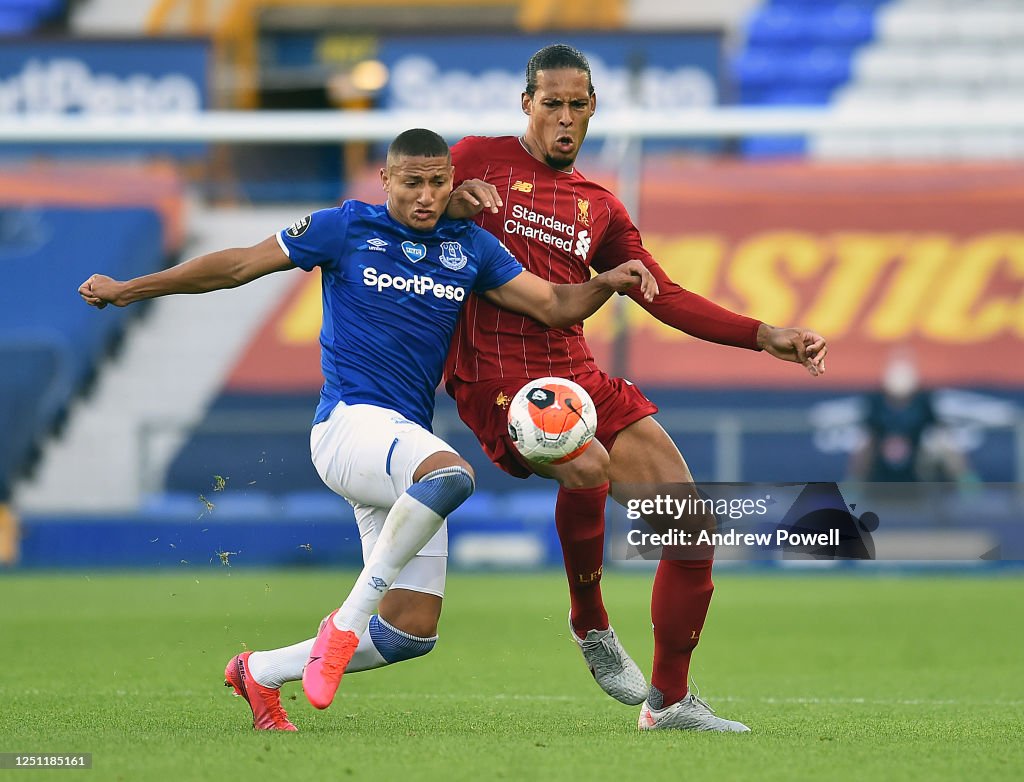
point(214, 271)
point(794, 344)
point(561, 306)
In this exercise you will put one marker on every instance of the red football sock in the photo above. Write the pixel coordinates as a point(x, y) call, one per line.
point(579, 519)
point(679, 605)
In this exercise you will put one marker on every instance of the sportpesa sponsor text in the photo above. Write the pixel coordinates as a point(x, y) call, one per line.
point(420, 284)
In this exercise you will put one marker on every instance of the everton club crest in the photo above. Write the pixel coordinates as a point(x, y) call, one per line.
point(452, 256)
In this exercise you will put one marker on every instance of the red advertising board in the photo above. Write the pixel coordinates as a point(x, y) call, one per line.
point(926, 258)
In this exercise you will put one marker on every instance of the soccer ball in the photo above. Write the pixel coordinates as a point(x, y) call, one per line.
point(551, 420)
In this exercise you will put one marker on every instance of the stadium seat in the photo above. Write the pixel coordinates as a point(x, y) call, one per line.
point(14, 23)
point(777, 26)
point(312, 505)
point(797, 96)
point(917, 25)
point(50, 341)
point(804, 5)
point(822, 66)
point(800, 53)
point(842, 25)
point(761, 67)
point(531, 505)
point(481, 506)
point(213, 506)
point(243, 504)
point(20, 17)
point(774, 146)
point(35, 385)
point(889, 65)
point(172, 504)
point(49, 252)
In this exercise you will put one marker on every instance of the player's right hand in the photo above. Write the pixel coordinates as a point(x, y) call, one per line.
point(472, 197)
point(629, 274)
point(99, 291)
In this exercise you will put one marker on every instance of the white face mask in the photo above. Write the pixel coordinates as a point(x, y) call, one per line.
point(900, 378)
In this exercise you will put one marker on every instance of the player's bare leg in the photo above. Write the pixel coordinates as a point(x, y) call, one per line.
point(404, 627)
point(415, 613)
point(643, 458)
point(579, 519)
point(441, 483)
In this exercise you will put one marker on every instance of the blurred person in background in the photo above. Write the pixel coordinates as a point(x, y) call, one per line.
point(527, 191)
point(395, 277)
point(905, 439)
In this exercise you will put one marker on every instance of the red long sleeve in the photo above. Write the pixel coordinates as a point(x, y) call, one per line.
point(697, 316)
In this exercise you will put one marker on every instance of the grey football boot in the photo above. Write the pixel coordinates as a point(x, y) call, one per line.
point(613, 669)
point(690, 713)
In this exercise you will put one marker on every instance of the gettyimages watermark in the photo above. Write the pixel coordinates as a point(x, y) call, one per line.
point(924, 522)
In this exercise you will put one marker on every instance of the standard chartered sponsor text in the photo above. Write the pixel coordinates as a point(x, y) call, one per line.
point(531, 225)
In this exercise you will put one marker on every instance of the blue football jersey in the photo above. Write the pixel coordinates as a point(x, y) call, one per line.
point(391, 297)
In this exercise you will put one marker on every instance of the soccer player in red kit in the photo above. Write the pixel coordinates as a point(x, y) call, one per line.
point(560, 225)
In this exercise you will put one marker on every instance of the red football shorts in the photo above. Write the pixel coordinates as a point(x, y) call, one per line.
point(483, 406)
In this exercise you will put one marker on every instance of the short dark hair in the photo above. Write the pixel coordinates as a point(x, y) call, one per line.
point(553, 57)
point(418, 142)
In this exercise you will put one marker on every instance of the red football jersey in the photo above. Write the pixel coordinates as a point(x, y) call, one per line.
point(558, 225)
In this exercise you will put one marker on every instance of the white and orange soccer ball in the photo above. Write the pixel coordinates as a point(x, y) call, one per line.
point(551, 420)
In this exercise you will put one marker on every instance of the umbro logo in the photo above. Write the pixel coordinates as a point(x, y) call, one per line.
point(376, 244)
point(378, 583)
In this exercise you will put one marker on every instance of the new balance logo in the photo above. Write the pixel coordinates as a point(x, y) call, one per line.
point(523, 187)
point(376, 244)
point(582, 244)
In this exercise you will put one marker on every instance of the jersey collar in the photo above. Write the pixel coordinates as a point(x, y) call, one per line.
point(526, 149)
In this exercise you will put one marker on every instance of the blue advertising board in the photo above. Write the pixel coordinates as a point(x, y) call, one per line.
point(488, 72)
point(476, 72)
point(130, 78)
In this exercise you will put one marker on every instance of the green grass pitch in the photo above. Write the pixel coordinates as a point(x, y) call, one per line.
point(839, 676)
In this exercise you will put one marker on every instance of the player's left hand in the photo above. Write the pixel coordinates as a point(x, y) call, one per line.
point(630, 274)
point(794, 344)
point(472, 197)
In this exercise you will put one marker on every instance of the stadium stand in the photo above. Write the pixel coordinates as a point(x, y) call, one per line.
point(168, 368)
point(59, 219)
point(22, 17)
point(798, 53)
point(880, 54)
point(934, 53)
point(35, 380)
point(91, 507)
point(49, 344)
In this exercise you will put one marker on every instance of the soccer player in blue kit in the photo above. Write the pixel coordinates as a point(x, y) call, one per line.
point(395, 277)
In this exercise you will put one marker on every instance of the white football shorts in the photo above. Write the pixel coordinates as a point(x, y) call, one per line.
point(368, 455)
